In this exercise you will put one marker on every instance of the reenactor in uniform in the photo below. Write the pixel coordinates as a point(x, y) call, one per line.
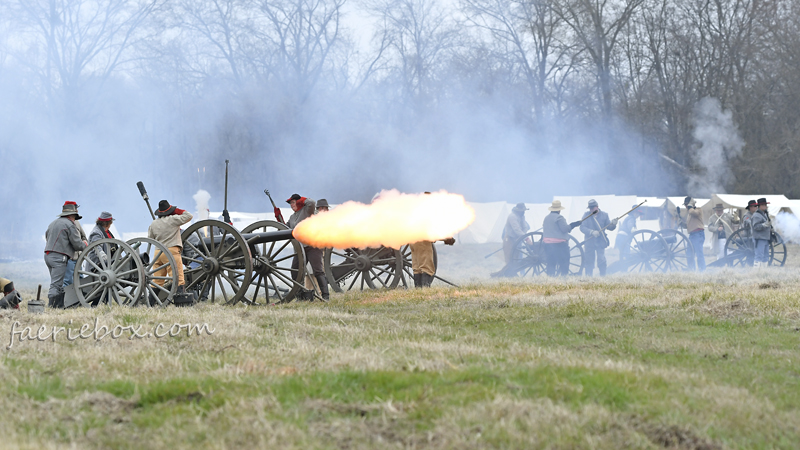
point(166, 229)
point(422, 260)
point(697, 233)
point(101, 230)
point(71, 263)
point(762, 233)
point(625, 233)
point(720, 224)
point(322, 206)
point(303, 209)
point(752, 205)
point(516, 227)
point(555, 238)
point(596, 241)
point(11, 298)
point(63, 240)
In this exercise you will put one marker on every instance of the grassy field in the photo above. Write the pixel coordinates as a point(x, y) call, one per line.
point(658, 361)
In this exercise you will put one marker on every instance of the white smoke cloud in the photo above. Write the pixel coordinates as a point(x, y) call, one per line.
point(788, 225)
point(720, 142)
point(201, 199)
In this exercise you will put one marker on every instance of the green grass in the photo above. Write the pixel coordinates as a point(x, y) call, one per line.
point(635, 362)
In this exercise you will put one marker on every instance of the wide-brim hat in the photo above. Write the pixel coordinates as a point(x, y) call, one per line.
point(70, 209)
point(520, 207)
point(762, 201)
point(105, 216)
point(752, 203)
point(719, 206)
point(322, 203)
point(556, 206)
point(164, 209)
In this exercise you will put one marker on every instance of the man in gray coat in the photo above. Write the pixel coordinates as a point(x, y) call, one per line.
point(555, 238)
point(303, 209)
point(63, 240)
point(516, 227)
point(762, 233)
point(595, 240)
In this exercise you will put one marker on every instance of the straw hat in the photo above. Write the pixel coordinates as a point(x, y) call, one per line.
point(556, 206)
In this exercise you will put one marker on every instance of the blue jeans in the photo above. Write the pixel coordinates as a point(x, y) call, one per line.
point(697, 238)
point(70, 272)
point(762, 251)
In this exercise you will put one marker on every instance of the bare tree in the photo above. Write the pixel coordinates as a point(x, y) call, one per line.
point(68, 43)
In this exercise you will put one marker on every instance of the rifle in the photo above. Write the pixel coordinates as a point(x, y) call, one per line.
point(278, 215)
point(225, 216)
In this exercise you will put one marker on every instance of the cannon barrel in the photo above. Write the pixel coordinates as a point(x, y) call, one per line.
point(256, 238)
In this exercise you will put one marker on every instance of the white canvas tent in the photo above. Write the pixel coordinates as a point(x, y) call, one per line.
point(778, 203)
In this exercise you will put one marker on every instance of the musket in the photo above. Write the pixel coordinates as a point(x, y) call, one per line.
point(278, 215)
point(225, 216)
point(631, 210)
point(146, 198)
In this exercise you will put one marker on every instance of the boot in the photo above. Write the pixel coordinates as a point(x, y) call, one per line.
point(181, 290)
point(323, 287)
point(417, 280)
point(757, 264)
point(58, 301)
point(51, 301)
point(589, 272)
point(427, 280)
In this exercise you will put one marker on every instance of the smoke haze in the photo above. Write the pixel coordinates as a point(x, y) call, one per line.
point(171, 108)
point(719, 140)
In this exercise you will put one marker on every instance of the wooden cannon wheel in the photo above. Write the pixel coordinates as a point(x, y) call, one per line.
point(278, 267)
point(371, 268)
point(159, 289)
point(649, 252)
point(680, 250)
point(223, 265)
point(118, 278)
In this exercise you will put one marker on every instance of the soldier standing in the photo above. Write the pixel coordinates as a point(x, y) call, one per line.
point(720, 226)
point(625, 233)
point(752, 205)
point(72, 261)
point(555, 238)
point(303, 209)
point(166, 229)
point(516, 227)
point(63, 240)
point(101, 230)
point(595, 240)
point(697, 233)
point(762, 233)
point(422, 260)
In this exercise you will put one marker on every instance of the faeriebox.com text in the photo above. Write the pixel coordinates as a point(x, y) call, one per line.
point(99, 332)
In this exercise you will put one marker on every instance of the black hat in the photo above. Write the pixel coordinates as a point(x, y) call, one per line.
point(293, 197)
point(322, 203)
point(762, 201)
point(687, 200)
point(8, 287)
point(164, 209)
point(752, 203)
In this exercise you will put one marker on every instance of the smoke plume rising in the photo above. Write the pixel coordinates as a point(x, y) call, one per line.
point(201, 199)
point(393, 219)
point(719, 142)
point(788, 225)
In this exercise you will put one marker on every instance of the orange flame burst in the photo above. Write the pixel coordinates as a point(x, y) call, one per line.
point(392, 219)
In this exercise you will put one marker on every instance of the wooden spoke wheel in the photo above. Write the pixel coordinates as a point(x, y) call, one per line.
point(159, 287)
point(777, 250)
point(116, 277)
point(407, 275)
point(680, 250)
point(740, 249)
point(649, 252)
point(278, 267)
point(575, 256)
point(371, 268)
point(216, 259)
point(528, 257)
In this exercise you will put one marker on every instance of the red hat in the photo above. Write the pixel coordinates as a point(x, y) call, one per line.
point(70, 203)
